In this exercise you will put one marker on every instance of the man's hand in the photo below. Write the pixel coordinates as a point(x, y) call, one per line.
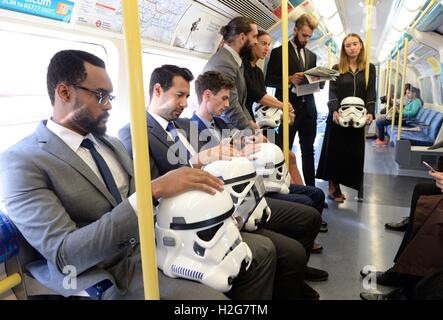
point(185, 179)
point(297, 78)
point(254, 125)
point(438, 177)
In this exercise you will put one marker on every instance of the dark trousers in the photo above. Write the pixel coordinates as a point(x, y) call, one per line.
point(292, 228)
point(295, 221)
point(421, 189)
point(306, 126)
point(307, 195)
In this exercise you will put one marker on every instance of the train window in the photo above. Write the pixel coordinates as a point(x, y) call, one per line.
point(427, 90)
point(24, 99)
point(152, 60)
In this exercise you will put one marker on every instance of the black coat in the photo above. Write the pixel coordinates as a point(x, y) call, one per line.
point(343, 152)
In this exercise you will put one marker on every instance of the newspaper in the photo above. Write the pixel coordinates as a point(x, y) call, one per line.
point(320, 74)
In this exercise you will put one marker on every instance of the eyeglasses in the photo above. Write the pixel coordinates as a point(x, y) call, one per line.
point(103, 98)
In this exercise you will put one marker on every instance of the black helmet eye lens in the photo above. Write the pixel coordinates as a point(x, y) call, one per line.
point(208, 234)
point(239, 188)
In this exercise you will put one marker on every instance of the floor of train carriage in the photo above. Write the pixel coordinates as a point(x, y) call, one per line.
point(357, 236)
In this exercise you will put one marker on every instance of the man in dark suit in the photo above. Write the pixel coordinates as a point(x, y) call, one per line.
point(69, 189)
point(288, 221)
point(300, 59)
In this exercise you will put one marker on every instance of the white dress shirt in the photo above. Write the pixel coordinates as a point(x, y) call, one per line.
point(73, 140)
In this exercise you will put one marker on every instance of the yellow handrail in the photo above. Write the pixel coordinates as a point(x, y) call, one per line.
point(285, 68)
point(10, 282)
point(394, 107)
point(141, 150)
point(430, 5)
point(330, 55)
point(388, 95)
point(370, 5)
point(403, 86)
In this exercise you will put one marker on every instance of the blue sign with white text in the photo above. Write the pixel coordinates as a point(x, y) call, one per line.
point(56, 10)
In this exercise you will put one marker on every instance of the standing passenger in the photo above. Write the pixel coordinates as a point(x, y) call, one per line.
point(300, 59)
point(343, 152)
point(239, 36)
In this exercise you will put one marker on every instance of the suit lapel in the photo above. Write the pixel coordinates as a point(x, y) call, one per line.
point(55, 146)
point(160, 135)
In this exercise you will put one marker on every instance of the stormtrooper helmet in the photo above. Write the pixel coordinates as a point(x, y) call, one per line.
point(267, 117)
point(9, 244)
point(270, 165)
point(352, 110)
point(198, 239)
point(240, 179)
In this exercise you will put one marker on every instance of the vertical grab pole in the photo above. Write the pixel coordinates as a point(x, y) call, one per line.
point(141, 150)
point(394, 107)
point(330, 55)
point(370, 5)
point(285, 68)
point(388, 95)
point(403, 86)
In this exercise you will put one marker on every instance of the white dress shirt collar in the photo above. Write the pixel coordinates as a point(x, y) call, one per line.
point(71, 138)
point(161, 121)
point(235, 54)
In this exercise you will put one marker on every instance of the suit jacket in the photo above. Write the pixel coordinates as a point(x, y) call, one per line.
point(163, 156)
point(67, 214)
point(237, 114)
point(274, 78)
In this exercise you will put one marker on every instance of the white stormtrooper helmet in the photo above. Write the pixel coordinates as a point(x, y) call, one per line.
point(240, 180)
point(267, 117)
point(353, 111)
point(270, 164)
point(198, 239)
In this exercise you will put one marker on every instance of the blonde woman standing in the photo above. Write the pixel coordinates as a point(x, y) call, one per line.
point(343, 151)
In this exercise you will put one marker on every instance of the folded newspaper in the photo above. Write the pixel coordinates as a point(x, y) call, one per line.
point(319, 74)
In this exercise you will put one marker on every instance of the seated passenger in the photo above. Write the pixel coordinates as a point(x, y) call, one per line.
point(69, 189)
point(410, 110)
point(290, 224)
point(420, 251)
point(212, 90)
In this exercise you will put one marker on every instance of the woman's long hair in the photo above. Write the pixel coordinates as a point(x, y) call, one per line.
point(344, 60)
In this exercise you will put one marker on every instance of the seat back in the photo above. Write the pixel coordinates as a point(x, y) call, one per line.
point(431, 115)
point(421, 116)
point(435, 126)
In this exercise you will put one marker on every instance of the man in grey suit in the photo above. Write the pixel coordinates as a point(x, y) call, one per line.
point(239, 36)
point(69, 189)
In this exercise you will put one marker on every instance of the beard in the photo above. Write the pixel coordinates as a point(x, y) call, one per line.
point(297, 42)
point(246, 51)
point(84, 121)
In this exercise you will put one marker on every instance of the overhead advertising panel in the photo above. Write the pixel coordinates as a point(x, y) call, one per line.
point(55, 10)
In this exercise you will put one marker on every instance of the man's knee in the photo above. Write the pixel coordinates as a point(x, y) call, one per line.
point(264, 253)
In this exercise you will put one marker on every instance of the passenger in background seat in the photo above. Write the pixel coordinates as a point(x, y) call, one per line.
point(412, 107)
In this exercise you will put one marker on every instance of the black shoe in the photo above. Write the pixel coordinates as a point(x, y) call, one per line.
point(323, 226)
point(316, 248)
point(313, 274)
point(398, 226)
point(387, 278)
point(325, 205)
point(397, 294)
point(308, 293)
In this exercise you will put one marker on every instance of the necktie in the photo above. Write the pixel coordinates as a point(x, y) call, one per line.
point(214, 131)
point(181, 147)
point(300, 58)
point(104, 169)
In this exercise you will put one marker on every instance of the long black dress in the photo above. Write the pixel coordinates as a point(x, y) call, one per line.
point(343, 152)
